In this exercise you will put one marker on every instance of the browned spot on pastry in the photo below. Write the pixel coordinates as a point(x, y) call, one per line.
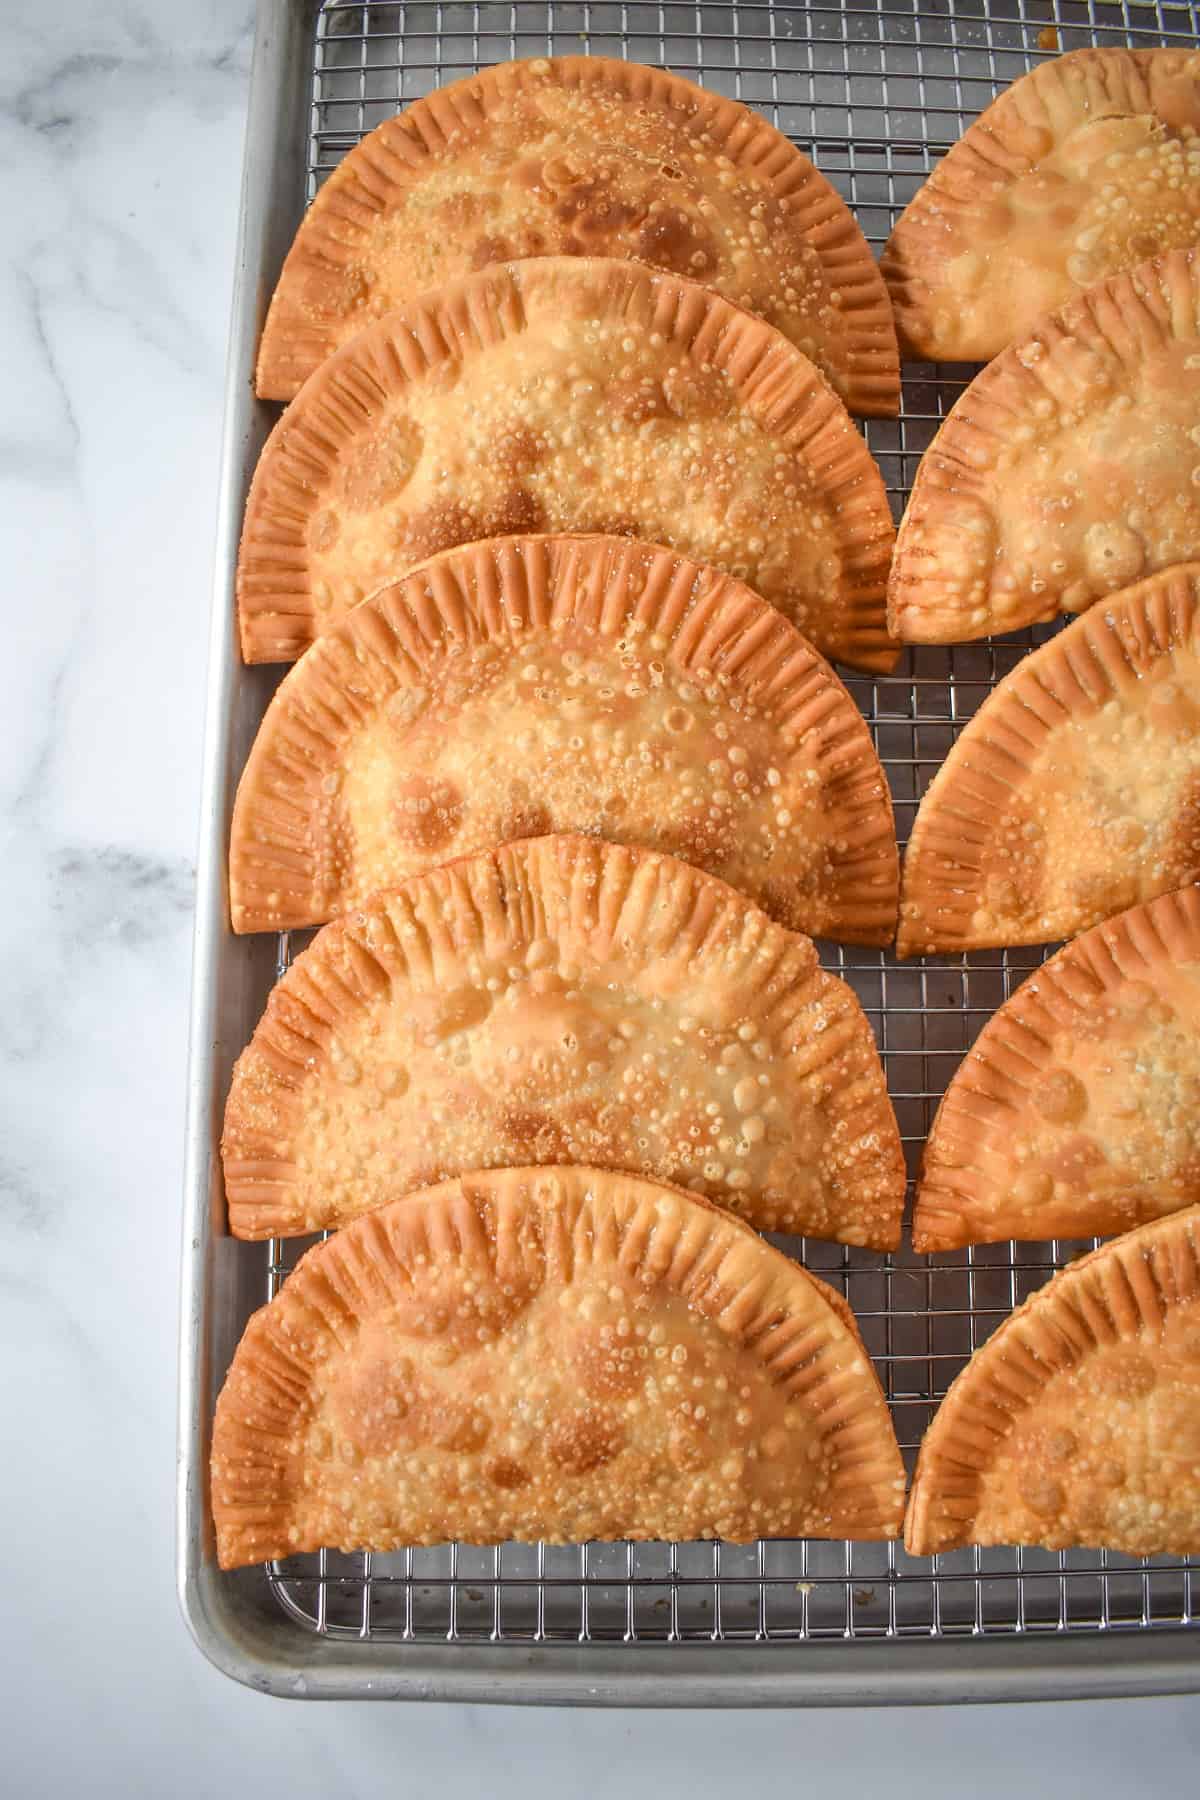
point(671, 240)
point(593, 214)
point(515, 511)
point(426, 811)
point(377, 467)
point(504, 1472)
point(1095, 893)
point(1040, 1491)
point(1061, 1097)
point(699, 836)
point(790, 901)
point(584, 1440)
point(616, 525)
point(535, 1135)
point(439, 526)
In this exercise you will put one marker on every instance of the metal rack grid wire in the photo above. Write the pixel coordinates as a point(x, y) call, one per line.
point(874, 91)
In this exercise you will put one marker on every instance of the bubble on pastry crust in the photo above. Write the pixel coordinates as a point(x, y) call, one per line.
point(1113, 555)
point(1032, 1187)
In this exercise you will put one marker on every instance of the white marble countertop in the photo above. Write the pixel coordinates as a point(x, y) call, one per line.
point(122, 135)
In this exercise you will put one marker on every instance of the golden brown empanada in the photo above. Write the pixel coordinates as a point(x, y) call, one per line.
point(563, 1000)
point(558, 1355)
point(1074, 792)
point(1085, 166)
point(567, 394)
point(534, 685)
point(1067, 470)
point(1077, 1112)
point(1078, 1422)
point(583, 155)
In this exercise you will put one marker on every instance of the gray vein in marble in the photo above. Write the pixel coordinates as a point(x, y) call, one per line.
point(41, 461)
point(24, 1205)
point(83, 902)
point(111, 893)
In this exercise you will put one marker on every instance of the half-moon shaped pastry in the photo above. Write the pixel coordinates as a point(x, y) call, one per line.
point(549, 1355)
point(600, 685)
point(1078, 1422)
point(1074, 792)
point(1077, 1112)
point(1067, 470)
point(567, 394)
point(563, 1001)
point(1085, 166)
point(583, 155)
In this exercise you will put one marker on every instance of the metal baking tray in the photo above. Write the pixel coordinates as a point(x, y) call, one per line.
point(874, 91)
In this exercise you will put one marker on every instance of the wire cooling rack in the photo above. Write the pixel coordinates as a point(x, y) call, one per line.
point(874, 91)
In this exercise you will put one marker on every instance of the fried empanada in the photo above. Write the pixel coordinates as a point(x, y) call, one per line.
point(1074, 792)
point(549, 1355)
point(583, 155)
point(563, 1001)
point(525, 686)
point(1078, 1422)
point(1077, 1112)
point(568, 394)
point(1069, 468)
point(1085, 166)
